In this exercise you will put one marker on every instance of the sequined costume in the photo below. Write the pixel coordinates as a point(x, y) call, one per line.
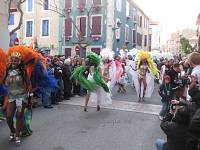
point(15, 82)
point(142, 71)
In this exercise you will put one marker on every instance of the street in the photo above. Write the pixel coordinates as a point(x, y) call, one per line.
point(67, 127)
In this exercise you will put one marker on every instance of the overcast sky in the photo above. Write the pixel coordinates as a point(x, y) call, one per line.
point(173, 14)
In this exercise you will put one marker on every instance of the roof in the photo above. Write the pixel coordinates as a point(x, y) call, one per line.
point(136, 6)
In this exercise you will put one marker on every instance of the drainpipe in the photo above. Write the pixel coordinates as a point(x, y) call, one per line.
point(109, 24)
point(61, 39)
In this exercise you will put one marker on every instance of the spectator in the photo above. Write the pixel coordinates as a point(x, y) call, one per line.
point(166, 93)
point(66, 79)
point(175, 126)
point(194, 60)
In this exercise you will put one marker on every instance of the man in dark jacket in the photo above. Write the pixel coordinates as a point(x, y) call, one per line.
point(175, 127)
point(67, 80)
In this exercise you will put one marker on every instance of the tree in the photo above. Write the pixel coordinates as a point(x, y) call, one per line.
point(185, 45)
point(18, 4)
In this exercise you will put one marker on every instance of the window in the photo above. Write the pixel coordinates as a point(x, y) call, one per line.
point(96, 2)
point(68, 4)
point(81, 4)
point(119, 5)
point(134, 37)
point(29, 28)
point(96, 25)
point(127, 9)
point(11, 19)
point(96, 50)
point(45, 27)
point(46, 5)
point(81, 24)
point(126, 33)
point(140, 21)
point(145, 40)
point(68, 27)
point(68, 52)
point(29, 5)
point(139, 39)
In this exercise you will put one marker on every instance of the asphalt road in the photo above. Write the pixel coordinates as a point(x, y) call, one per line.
point(67, 127)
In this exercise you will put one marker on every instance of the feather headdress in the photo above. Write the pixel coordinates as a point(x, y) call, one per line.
point(146, 55)
point(3, 62)
point(107, 54)
point(94, 58)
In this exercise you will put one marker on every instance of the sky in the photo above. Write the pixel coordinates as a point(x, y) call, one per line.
point(173, 14)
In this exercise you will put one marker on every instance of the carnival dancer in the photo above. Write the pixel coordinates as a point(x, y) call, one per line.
point(98, 90)
point(3, 87)
point(131, 69)
point(19, 86)
point(147, 69)
point(109, 68)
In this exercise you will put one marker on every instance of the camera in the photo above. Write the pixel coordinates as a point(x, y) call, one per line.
point(173, 107)
point(185, 80)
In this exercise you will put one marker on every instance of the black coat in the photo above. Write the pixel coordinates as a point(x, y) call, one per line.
point(163, 92)
point(176, 134)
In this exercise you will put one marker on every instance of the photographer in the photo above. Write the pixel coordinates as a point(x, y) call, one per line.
point(175, 126)
point(194, 111)
point(166, 93)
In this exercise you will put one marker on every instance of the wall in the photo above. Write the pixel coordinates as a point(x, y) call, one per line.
point(36, 15)
point(4, 33)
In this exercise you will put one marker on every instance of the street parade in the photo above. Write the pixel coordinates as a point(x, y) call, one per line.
point(99, 75)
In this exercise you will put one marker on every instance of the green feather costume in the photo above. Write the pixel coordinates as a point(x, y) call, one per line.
point(91, 86)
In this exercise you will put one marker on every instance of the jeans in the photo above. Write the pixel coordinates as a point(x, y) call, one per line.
point(46, 96)
point(159, 144)
point(164, 110)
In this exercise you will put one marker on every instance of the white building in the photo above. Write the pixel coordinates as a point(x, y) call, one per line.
point(4, 33)
point(156, 32)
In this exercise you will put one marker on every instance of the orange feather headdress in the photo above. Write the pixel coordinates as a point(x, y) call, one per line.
point(3, 62)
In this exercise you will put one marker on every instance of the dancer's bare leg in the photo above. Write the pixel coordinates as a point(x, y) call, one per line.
point(86, 101)
point(145, 88)
point(140, 83)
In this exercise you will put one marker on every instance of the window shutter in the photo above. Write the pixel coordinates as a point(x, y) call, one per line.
point(83, 26)
point(96, 50)
point(134, 37)
point(68, 27)
point(67, 52)
point(96, 25)
point(96, 2)
point(82, 3)
point(68, 4)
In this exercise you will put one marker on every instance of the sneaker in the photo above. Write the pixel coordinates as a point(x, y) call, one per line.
point(17, 141)
point(12, 137)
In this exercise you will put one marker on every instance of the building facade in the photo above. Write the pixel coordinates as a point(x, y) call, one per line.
point(40, 25)
point(173, 45)
point(156, 30)
point(4, 32)
point(198, 32)
point(97, 24)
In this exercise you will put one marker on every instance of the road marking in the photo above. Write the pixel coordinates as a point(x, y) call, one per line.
point(120, 105)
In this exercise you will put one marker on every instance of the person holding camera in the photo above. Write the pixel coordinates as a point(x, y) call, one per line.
point(193, 141)
point(166, 93)
point(175, 126)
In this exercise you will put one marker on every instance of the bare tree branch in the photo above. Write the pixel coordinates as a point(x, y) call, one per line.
point(21, 17)
point(9, 6)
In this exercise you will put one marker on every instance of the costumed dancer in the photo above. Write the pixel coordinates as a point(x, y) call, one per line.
point(19, 90)
point(3, 87)
point(98, 90)
point(119, 70)
point(109, 69)
point(131, 69)
point(147, 69)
